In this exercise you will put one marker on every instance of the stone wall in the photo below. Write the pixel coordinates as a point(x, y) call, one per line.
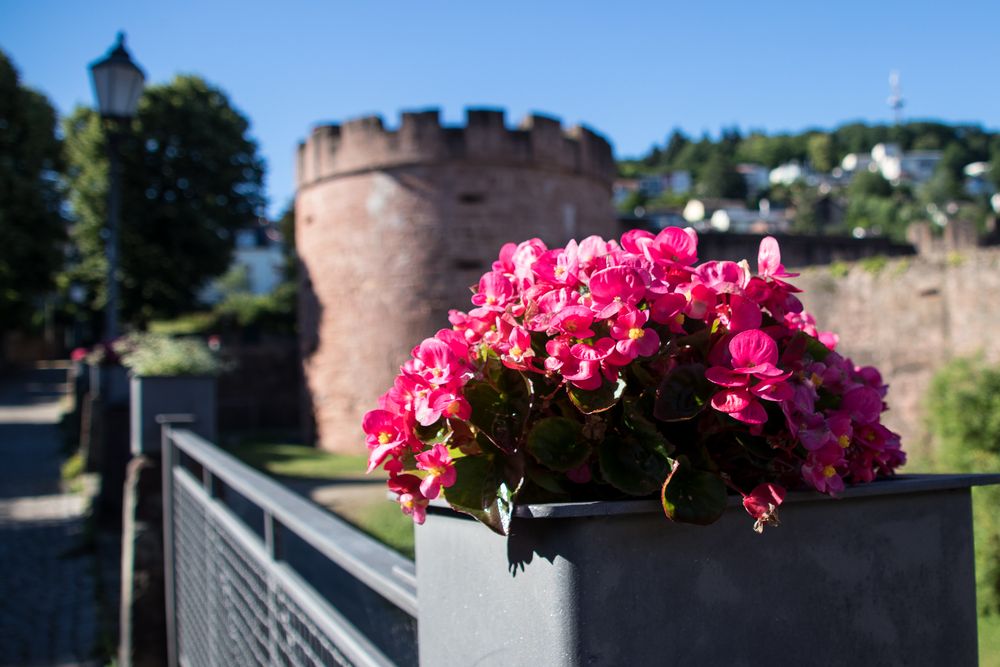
point(393, 227)
point(908, 318)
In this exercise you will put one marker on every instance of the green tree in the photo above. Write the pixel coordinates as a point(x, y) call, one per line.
point(869, 184)
point(32, 229)
point(962, 409)
point(821, 153)
point(720, 179)
point(191, 177)
point(675, 144)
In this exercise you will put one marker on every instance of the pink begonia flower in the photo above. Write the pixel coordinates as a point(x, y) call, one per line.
point(762, 504)
point(523, 257)
point(591, 248)
point(446, 402)
point(574, 321)
point(455, 341)
point(385, 434)
point(673, 245)
point(743, 314)
point(517, 352)
point(753, 354)
point(558, 266)
point(820, 469)
point(769, 260)
point(669, 309)
point(740, 404)
point(701, 302)
point(863, 404)
point(632, 339)
point(493, 293)
point(723, 277)
point(409, 497)
point(635, 240)
point(434, 361)
point(440, 471)
point(613, 289)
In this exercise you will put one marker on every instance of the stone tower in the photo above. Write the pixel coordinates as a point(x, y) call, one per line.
point(393, 226)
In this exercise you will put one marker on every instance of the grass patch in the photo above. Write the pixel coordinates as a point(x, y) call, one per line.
point(287, 460)
point(989, 640)
point(384, 521)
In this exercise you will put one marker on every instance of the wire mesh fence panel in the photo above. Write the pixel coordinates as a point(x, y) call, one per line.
point(234, 603)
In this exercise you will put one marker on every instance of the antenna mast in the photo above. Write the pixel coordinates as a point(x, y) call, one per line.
point(896, 97)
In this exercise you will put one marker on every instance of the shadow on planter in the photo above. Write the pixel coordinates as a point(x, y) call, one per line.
point(882, 576)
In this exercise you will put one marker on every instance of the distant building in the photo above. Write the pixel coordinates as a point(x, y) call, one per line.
point(977, 179)
point(675, 182)
point(898, 167)
point(258, 252)
point(855, 162)
point(622, 188)
point(697, 210)
point(756, 176)
point(743, 220)
point(789, 173)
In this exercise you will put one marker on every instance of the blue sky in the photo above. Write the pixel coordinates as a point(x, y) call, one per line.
point(630, 70)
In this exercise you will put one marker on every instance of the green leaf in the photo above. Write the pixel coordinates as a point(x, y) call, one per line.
point(500, 416)
point(436, 433)
point(557, 444)
point(693, 496)
point(599, 400)
point(683, 394)
point(633, 463)
point(815, 348)
point(481, 492)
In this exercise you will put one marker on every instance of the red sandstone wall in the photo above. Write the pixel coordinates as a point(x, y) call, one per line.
point(387, 251)
point(909, 318)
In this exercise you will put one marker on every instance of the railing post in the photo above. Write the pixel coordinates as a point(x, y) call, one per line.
point(271, 546)
point(168, 461)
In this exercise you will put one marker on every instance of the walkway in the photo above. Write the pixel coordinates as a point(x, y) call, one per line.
point(48, 612)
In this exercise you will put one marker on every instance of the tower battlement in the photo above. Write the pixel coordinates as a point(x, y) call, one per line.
point(365, 144)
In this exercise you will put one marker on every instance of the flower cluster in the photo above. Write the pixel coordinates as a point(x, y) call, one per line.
point(607, 369)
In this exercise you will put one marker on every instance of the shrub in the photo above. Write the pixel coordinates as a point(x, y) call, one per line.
point(963, 418)
point(158, 355)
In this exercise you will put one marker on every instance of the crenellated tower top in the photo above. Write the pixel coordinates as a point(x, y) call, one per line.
point(364, 144)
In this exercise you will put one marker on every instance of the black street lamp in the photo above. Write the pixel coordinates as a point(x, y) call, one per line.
point(118, 84)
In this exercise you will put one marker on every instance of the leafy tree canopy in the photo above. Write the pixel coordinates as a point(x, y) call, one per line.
point(32, 229)
point(191, 176)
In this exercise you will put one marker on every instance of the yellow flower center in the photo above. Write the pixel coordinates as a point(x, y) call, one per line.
point(516, 351)
point(492, 300)
point(570, 326)
point(816, 380)
point(829, 471)
point(408, 503)
point(679, 318)
point(384, 438)
point(636, 333)
point(453, 408)
point(560, 271)
point(436, 471)
point(844, 441)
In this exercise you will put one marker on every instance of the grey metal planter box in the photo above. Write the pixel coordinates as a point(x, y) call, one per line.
point(161, 395)
point(883, 576)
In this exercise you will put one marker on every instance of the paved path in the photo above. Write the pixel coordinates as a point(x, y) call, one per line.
point(48, 612)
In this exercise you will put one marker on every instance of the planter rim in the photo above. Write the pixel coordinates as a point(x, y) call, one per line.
point(882, 487)
point(200, 376)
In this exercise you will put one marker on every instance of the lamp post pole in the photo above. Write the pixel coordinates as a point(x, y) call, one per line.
point(118, 84)
point(111, 329)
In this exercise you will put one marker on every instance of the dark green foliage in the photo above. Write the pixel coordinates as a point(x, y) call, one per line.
point(963, 416)
point(191, 177)
point(719, 178)
point(32, 229)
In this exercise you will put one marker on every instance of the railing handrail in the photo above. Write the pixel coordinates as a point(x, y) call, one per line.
point(384, 571)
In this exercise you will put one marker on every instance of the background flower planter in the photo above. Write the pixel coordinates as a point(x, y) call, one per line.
point(885, 575)
point(160, 395)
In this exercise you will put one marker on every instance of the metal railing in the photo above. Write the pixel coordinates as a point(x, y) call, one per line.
point(257, 575)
